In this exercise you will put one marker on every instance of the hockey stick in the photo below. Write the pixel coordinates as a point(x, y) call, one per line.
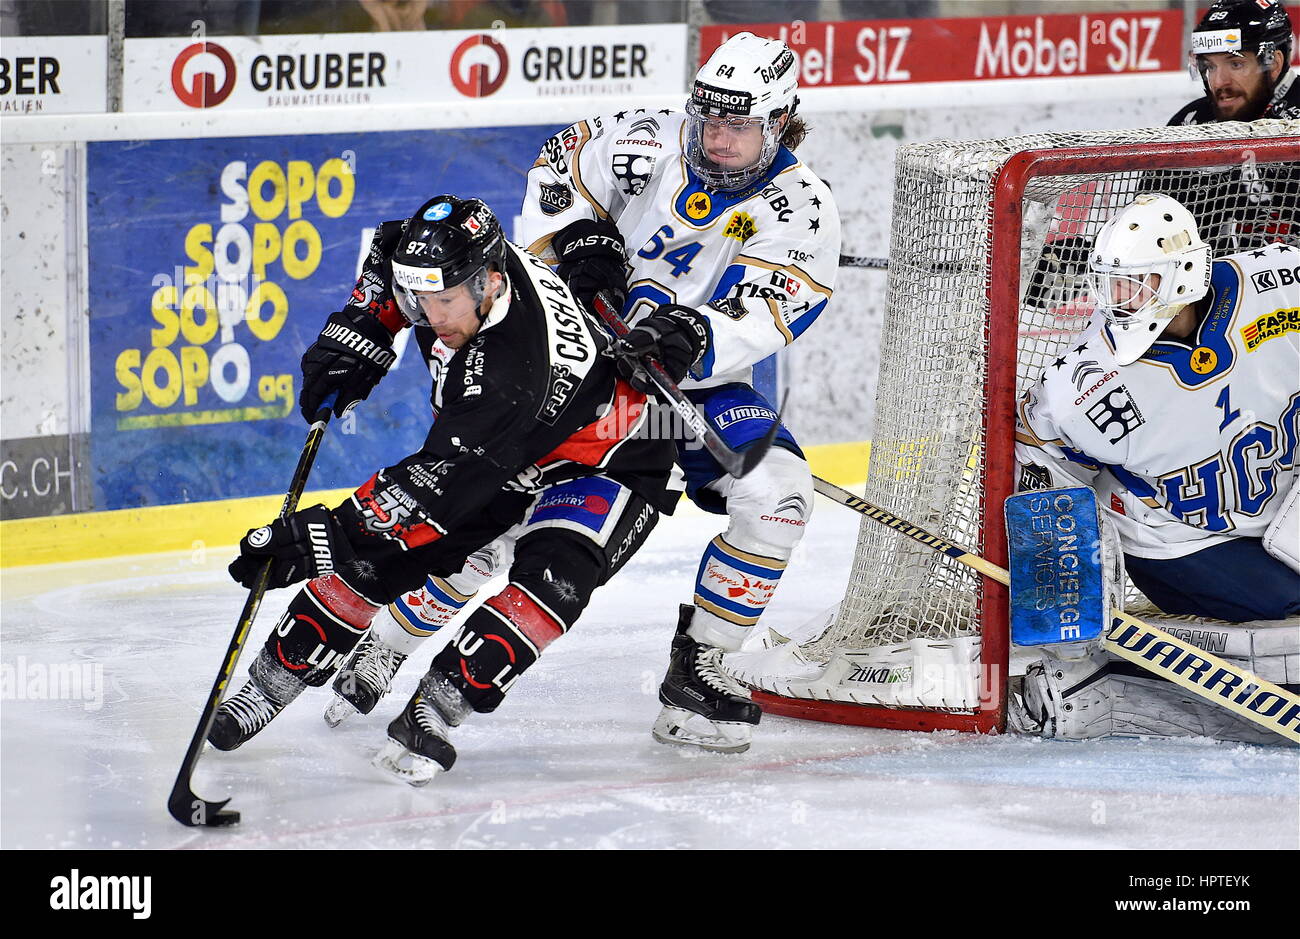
point(1147, 646)
point(736, 464)
point(875, 264)
point(184, 806)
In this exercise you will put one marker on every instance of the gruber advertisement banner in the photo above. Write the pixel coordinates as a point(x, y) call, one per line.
point(454, 66)
point(53, 75)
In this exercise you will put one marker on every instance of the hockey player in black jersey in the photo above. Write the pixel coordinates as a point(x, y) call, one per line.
point(534, 432)
point(1241, 49)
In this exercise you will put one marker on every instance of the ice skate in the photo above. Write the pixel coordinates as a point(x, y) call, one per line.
point(702, 707)
point(418, 747)
point(362, 680)
point(242, 716)
point(269, 690)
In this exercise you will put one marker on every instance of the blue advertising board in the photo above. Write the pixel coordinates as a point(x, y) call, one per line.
point(214, 264)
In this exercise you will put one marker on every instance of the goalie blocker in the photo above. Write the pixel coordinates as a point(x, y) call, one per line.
point(1067, 579)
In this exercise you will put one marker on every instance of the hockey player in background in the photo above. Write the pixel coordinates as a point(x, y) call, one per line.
point(1180, 406)
point(732, 247)
point(534, 435)
point(1241, 49)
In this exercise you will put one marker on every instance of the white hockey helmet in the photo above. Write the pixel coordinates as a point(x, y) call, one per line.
point(1147, 263)
point(747, 82)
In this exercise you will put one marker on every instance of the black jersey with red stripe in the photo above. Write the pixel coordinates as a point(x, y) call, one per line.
point(533, 399)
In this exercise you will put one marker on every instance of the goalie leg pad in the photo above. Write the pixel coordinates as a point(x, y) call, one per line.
point(741, 569)
point(1077, 692)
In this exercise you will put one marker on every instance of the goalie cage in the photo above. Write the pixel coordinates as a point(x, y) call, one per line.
point(988, 252)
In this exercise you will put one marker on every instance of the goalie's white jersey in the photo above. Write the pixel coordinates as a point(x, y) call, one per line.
point(760, 263)
point(1193, 444)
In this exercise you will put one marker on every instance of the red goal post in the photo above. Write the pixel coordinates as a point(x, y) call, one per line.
point(1033, 204)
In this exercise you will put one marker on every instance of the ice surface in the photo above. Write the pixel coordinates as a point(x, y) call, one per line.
point(568, 760)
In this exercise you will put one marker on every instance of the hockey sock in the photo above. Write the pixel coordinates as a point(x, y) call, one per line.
point(732, 589)
point(769, 511)
point(418, 614)
point(551, 581)
point(321, 626)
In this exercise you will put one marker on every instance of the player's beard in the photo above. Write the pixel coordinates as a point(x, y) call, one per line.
point(1251, 109)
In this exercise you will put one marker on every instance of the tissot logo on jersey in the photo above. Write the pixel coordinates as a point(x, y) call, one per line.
point(791, 285)
point(1270, 326)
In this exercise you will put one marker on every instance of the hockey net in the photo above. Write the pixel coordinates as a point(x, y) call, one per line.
point(988, 252)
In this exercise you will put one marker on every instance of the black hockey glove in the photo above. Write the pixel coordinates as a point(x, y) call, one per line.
point(1059, 274)
point(675, 335)
point(306, 545)
point(592, 258)
point(352, 353)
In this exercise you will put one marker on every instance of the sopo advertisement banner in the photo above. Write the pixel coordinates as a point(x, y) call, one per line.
point(213, 266)
point(401, 68)
point(974, 48)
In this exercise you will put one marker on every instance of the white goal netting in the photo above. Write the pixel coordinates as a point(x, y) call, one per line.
point(930, 459)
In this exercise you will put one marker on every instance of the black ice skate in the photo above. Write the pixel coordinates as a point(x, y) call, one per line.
point(703, 707)
point(418, 747)
point(269, 690)
point(363, 679)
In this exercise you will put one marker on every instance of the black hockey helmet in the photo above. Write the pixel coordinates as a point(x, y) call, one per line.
point(448, 241)
point(1240, 26)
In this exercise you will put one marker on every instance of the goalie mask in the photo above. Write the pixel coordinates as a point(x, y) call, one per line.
point(448, 242)
point(1147, 263)
point(734, 115)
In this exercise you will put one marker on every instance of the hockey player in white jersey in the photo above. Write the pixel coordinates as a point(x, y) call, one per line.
point(732, 247)
point(1180, 407)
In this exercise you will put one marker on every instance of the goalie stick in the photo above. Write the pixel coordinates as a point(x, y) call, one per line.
point(184, 805)
point(736, 464)
point(1147, 646)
